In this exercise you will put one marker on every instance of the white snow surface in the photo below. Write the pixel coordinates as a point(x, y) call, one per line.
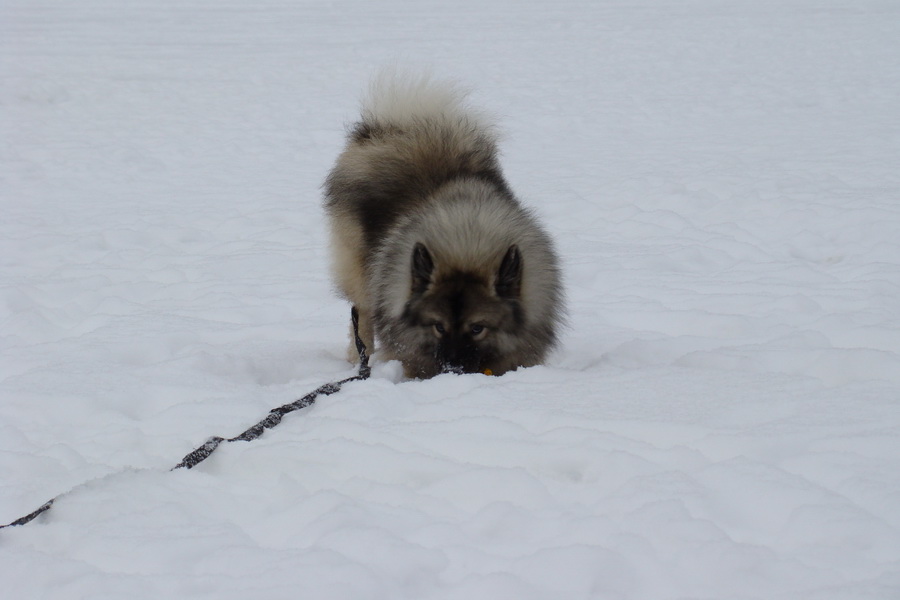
point(722, 419)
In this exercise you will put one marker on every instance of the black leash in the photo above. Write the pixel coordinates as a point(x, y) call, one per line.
point(274, 417)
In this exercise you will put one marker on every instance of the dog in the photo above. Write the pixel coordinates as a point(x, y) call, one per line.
point(443, 264)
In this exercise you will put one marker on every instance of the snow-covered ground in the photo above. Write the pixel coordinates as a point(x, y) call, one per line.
point(722, 419)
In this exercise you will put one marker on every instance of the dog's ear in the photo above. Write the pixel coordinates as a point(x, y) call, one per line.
point(509, 277)
point(422, 267)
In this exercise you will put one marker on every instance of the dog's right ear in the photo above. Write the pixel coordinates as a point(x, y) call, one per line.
point(422, 267)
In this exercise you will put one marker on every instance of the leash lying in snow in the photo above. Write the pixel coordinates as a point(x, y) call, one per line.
point(197, 456)
point(274, 417)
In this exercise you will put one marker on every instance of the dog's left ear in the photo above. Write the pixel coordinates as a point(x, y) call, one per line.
point(422, 267)
point(509, 277)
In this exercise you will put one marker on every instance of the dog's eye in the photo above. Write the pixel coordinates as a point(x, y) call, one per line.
point(439, 329)
point(477, 329)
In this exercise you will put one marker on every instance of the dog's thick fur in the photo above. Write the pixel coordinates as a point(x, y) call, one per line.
point(443, 264)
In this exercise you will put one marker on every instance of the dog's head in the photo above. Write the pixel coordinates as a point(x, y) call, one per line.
point(465, 320)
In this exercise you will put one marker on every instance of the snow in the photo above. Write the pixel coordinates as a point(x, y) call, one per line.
point(721, 420)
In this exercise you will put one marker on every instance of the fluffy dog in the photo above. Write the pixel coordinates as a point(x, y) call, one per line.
point(444, 265)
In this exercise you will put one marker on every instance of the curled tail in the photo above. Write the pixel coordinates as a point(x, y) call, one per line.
point(403, 100)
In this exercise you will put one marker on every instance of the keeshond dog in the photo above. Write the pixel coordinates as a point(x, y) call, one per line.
point(443, 264)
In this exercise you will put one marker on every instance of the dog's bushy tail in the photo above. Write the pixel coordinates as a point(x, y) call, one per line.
point(402, 99)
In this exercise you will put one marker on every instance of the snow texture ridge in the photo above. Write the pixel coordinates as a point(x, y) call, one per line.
point(721, 420)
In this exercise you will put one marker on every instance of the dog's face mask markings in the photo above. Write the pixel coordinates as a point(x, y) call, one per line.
point(461, 311)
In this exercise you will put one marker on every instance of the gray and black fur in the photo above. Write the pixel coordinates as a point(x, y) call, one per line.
point(444, 265)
